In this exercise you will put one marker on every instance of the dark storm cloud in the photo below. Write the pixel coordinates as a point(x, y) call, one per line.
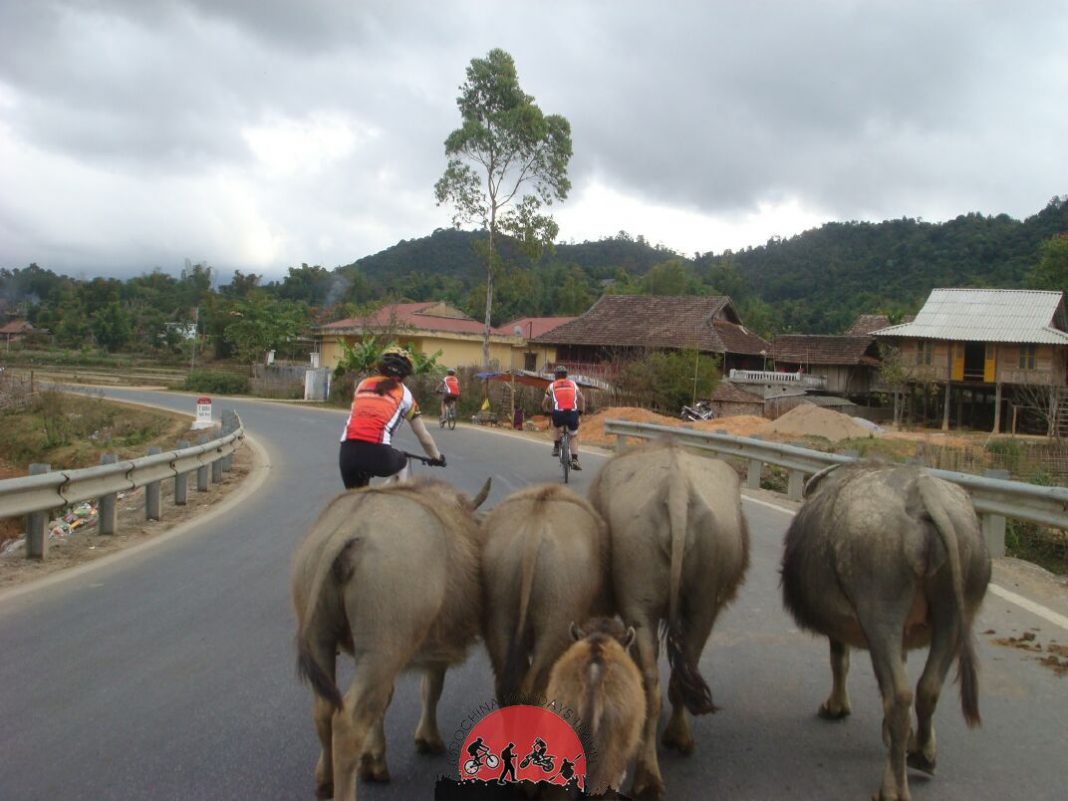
point(270, 132)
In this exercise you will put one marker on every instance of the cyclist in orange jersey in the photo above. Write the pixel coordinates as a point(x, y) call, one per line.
point(565, 402)
point(450, 390)
point(379, 404)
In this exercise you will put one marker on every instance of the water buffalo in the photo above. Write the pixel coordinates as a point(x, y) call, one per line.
point(679, 551)
point(389, 574)
point(890, 558)
point(544, 564)
point(597, 679)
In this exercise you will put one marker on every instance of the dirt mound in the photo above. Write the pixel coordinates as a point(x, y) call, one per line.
point(815, 421)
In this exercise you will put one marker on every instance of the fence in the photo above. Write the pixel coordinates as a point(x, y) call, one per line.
point(15, 390)
point(995, 499)
point(44, 490)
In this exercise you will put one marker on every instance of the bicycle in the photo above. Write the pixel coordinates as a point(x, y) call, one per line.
point(405, 473)
point(472, 765)
point(450, 416)
point(565, 453)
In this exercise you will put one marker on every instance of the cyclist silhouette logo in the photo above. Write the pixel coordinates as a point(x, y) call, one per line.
point(492, 748)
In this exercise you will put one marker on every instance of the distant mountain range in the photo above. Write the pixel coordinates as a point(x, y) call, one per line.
point(815, 282)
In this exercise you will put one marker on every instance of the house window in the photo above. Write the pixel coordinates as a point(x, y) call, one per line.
point(924, 349)
point(1027, 357)
point(530, 361)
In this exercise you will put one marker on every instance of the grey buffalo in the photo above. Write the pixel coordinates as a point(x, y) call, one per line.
point(544, 564)
point(680, 549)
point(391, 576)
point(890, 558)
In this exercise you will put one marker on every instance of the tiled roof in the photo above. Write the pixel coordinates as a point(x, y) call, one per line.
point(707, 323)
point(430, 316)
point(814, 349)
point(17, 327)
point(988, 315)
point(866, 323)
point(727, 392)
point(532, 326)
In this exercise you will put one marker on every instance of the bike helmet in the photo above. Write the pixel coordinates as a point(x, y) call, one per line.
point(396, 362)
point(451, 371)
point(560, 371)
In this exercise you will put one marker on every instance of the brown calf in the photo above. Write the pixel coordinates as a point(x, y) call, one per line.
point(597, 678)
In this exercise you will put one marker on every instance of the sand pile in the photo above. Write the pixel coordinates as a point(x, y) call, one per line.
point(592, 426)
point(815, 421)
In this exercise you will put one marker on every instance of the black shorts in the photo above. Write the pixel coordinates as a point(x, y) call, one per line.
point(450, 399)
point(567, 418)
point(360, 460)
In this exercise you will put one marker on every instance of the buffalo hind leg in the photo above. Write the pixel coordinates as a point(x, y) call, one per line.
point(373, 765)
point(354, 725)
point(695, 632)
point(427, 736)
point(944, 636)
point(648, 783)
point(887, 659)
point(837, 706)
point(322, 714)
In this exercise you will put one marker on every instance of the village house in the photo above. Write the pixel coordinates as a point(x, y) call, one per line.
point(992, 353)
point(621, 327)
point(432, 326)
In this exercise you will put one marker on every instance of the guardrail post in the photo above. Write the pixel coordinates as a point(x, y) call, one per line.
point(795, 486)
point(216, 470)
point(229, 426)
point(152, 494)
point(181, 480)
point(203, 480)
point(105, 504)
point(36, 536)
point(621, 443)
point(756, 470)
point(994, 525)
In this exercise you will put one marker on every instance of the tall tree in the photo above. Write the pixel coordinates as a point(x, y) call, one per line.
point(504, 147)
point(1052, 269)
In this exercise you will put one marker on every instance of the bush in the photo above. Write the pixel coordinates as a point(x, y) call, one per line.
point(216, 383)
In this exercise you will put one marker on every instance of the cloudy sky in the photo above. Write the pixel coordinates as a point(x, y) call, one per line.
point(259, 134)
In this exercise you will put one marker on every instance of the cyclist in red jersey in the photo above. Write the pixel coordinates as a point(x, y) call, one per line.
point(565, 402)
point(379, 404)
point(450, 390)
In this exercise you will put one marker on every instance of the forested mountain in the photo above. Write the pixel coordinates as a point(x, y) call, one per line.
point(815, 282)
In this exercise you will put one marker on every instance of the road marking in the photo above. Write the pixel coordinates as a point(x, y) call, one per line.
point(1035, 609)
point(1043, 612)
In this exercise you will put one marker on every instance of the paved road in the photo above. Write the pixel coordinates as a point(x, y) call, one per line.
point(169, 674)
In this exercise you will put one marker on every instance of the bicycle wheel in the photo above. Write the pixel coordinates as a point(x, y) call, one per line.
point(452, 417)
point(565, 455)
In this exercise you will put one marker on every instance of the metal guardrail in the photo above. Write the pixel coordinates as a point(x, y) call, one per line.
point(995, 499)
point(35, 494)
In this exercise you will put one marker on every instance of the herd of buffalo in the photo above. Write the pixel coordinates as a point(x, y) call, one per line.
point(573, 596)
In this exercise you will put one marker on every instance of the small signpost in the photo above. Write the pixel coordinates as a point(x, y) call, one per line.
point(203, 414)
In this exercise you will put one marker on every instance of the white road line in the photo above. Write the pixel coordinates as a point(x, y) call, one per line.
point(1043, 612)
point(1035, 609)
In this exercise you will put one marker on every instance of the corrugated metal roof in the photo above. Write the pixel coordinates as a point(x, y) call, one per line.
point(987, 315)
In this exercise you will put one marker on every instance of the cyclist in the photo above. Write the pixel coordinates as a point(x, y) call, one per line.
point(450, 391)
point(379, 404)
point(565, 402)
point(477, 750)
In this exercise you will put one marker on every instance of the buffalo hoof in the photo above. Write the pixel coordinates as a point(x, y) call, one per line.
point(918, 761)
point(427, 746)
point(828, 712)
point(373, 770)
point(683, 744)
point(324, 790)
point(648, 789)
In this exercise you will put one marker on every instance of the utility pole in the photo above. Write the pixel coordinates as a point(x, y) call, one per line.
point(196, 329)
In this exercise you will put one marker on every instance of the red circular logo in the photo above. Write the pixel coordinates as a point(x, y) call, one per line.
point(523, 743)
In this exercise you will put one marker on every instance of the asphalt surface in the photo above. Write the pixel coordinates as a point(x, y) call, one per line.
point(168, 674)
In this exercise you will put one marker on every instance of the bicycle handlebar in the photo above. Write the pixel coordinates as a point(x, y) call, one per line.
point(424, 459)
